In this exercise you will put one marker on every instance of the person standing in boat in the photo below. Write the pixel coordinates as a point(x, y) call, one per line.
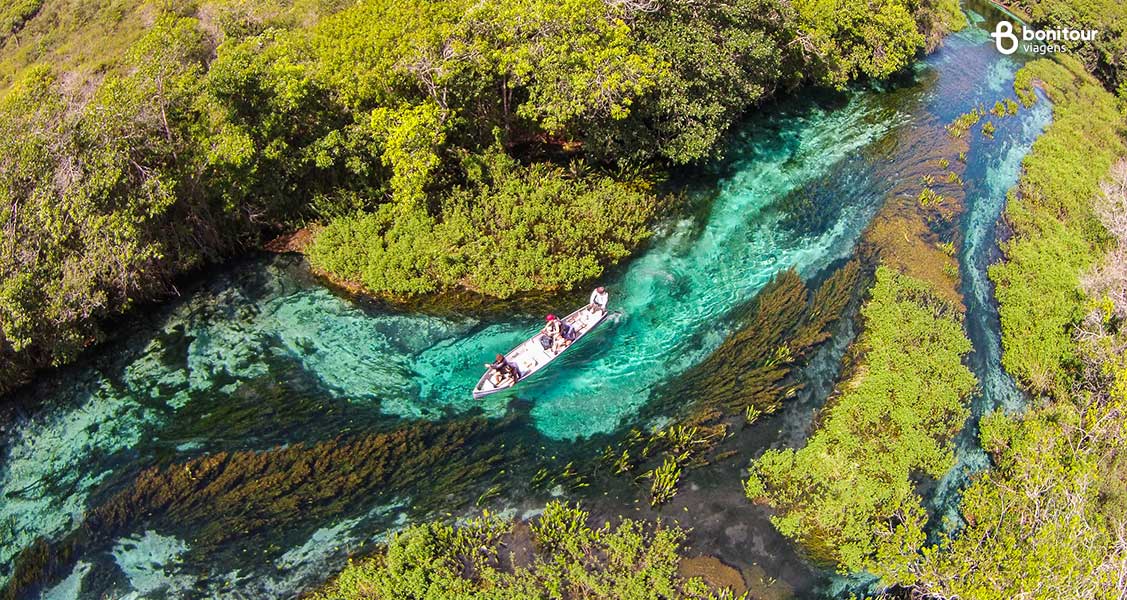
point(599, 299)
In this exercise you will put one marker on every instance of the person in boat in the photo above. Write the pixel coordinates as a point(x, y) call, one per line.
point(558, 334)
point(599, 299)
point(502, 371)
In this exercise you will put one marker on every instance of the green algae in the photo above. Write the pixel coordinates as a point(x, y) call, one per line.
point(239, 496)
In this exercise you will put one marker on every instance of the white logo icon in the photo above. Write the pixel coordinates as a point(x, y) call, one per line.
point(1005, 32)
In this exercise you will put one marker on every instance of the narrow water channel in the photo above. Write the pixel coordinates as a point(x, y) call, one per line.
point(259, 356)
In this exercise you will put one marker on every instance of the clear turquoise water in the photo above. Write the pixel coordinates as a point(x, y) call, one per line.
point(260, 354)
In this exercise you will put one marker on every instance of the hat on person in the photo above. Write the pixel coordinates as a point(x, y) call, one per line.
point(550, 318)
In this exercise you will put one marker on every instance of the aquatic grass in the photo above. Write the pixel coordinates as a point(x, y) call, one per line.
point(749, 368)
point(964, 122)
point(853, 502)
point(929, 197)
point(664, 481)
point(246, 494)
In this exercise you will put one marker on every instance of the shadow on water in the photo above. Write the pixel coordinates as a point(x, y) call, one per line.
point(246, 439)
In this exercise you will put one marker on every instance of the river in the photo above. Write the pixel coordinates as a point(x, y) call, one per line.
point(262, 365)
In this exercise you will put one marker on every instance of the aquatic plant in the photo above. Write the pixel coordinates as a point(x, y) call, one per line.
point(964, 122)
point(749, 367)
point(664, 481)
point(999, 109)
point(1049, 514)
point(988, 129)
point(944, 163)
point(929, 197)
point(240, 495)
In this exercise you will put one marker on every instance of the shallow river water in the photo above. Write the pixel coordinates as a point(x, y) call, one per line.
point(261, 357)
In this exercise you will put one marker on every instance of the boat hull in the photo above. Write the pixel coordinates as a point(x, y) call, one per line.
point(530, 356)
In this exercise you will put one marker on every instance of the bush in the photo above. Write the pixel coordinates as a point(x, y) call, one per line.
point(515, 229)
point(849, 494)
point(633, 561)
point(1056, 233)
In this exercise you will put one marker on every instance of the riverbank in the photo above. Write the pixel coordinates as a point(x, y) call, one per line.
point(422, 185)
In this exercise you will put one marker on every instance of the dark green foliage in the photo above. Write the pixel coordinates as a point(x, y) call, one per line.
point(721, 58)
point(567, 560)
point(776, 332)
point(516, 229)
point(849, 494)
point(169, 138)
point(1103, 56)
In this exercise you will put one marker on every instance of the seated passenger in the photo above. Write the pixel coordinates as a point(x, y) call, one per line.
point(502, 371)
point(554, 330)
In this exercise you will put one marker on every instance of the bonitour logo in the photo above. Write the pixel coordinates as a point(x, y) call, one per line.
point(1038, 41)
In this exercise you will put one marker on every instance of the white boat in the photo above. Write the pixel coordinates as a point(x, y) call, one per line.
point(531, 356)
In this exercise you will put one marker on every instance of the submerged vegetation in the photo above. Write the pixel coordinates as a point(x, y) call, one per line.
point(556, 555)
point(490, 146)
point(229, 496)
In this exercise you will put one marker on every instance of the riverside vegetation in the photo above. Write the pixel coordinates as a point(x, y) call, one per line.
point(1047, 520)
point(556, 555)
point(424, 143)
point(218, 125)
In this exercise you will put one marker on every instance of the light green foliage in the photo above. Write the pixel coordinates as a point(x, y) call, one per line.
point(964, 122)
point(1034, 526)
point(14, 15)
point(632, 561)
point(90, 194)
point(664, 484)
point(411, 137)
point(517, 229)
point(577, 58)
point(849, 494)
point(1056, 234)
point(929, 197)
point(1048, 520)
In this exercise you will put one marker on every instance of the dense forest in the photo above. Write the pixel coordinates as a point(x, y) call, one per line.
point(493, 146)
